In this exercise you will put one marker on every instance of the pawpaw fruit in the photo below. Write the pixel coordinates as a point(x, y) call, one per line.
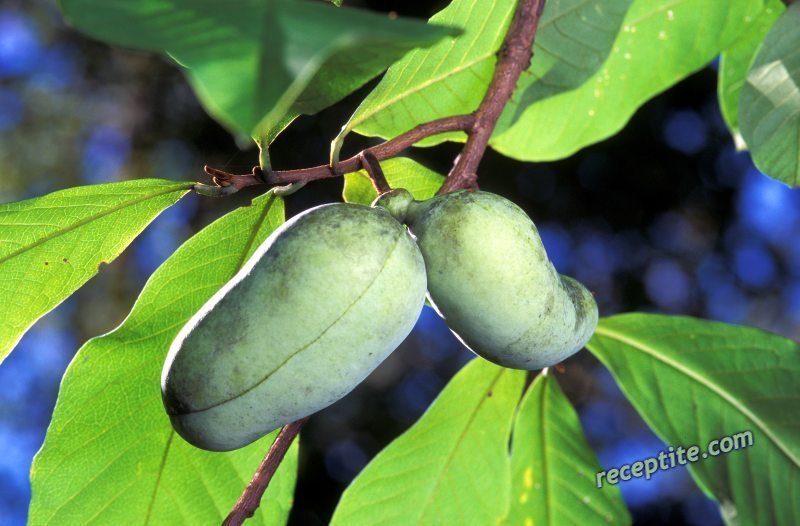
point(489, 277)
point(315, 309)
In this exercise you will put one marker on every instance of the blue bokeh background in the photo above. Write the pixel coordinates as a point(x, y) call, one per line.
point(666, 217)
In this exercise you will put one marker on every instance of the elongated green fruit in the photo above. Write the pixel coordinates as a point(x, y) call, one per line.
point(490, 279)
point(318, 306)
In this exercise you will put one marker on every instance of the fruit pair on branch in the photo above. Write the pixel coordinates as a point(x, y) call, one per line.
point(342, 285)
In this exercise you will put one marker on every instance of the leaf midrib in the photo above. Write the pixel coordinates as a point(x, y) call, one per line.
point(548, 507)
point(158, 477)
point(93, 217)
point(716, 389)
point(455, 448)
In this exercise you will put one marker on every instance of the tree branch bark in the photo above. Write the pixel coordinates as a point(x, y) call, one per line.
point(248, 503)
point(513, 58)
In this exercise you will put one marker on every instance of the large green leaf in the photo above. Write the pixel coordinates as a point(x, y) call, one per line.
point(553, 467)
point(769, 107)
point(256, 63)
point(111, 455)
point(51, 245)
point(450, 78)
point(452, 466)
point(660, 43)
point(735, 62)
point(694, 381)
point(400, 172)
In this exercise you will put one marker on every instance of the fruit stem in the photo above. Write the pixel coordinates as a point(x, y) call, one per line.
point(250, 499)
point(372, 166)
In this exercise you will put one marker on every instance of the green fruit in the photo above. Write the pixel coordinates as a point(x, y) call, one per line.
point(317, 307)
point(490, 279)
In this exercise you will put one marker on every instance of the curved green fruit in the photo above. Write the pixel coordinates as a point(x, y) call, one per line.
point(318, 306)
point(490, 279)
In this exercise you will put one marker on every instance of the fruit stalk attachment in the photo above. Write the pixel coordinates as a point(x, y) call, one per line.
point(373, 168)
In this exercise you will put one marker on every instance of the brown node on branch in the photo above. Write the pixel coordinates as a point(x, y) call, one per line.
point(224, 179)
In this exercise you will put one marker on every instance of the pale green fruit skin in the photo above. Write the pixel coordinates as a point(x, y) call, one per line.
point(490, 278)
point(318, 306)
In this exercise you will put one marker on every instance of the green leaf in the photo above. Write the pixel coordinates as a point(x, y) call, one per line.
point(452, 466)
point(694, 381)
point(553, 467)
point(110, 455)
point(450, 78)
point(769, 107)
point(735, 62)
point(255, 64)
point(51, 245)
point(400, 172)
point(660, 43)
point(574, 39)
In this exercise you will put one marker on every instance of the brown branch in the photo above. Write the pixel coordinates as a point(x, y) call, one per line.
point(513, 58)
point(248, 502)
point(381, 152)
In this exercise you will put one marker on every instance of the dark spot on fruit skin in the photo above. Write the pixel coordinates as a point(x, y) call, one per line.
point(46, 263)
point(65, 260)
point(489, 394)
point(576, 297)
